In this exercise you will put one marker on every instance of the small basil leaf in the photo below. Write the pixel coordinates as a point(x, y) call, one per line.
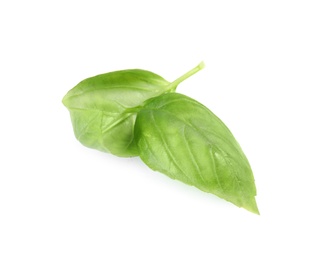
point(99, 108)
point(103, 108)
point(183, 139)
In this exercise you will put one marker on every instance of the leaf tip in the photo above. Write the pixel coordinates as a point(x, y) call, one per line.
point(251, 206)
point(65, 100)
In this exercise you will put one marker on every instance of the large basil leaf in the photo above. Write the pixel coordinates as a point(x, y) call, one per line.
point(183, 139)
point(103, 108)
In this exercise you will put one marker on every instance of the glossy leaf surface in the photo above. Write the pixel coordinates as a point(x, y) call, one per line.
point(183, 139)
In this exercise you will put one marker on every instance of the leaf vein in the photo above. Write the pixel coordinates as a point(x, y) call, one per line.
point(193, 159)
point(168, 149)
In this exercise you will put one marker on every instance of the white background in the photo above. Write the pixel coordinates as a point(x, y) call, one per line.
point(60, 200)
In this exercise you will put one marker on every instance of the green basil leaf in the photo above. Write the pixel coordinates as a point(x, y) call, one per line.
point(103, 108)
point(183, 139)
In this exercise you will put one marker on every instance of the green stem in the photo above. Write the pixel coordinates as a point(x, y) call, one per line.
point(175, 83)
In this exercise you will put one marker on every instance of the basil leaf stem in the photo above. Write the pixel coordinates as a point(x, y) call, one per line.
point(172, 86)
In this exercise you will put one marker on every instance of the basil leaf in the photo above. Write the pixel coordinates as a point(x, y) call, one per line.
point(103, 108)
point(183, 139)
